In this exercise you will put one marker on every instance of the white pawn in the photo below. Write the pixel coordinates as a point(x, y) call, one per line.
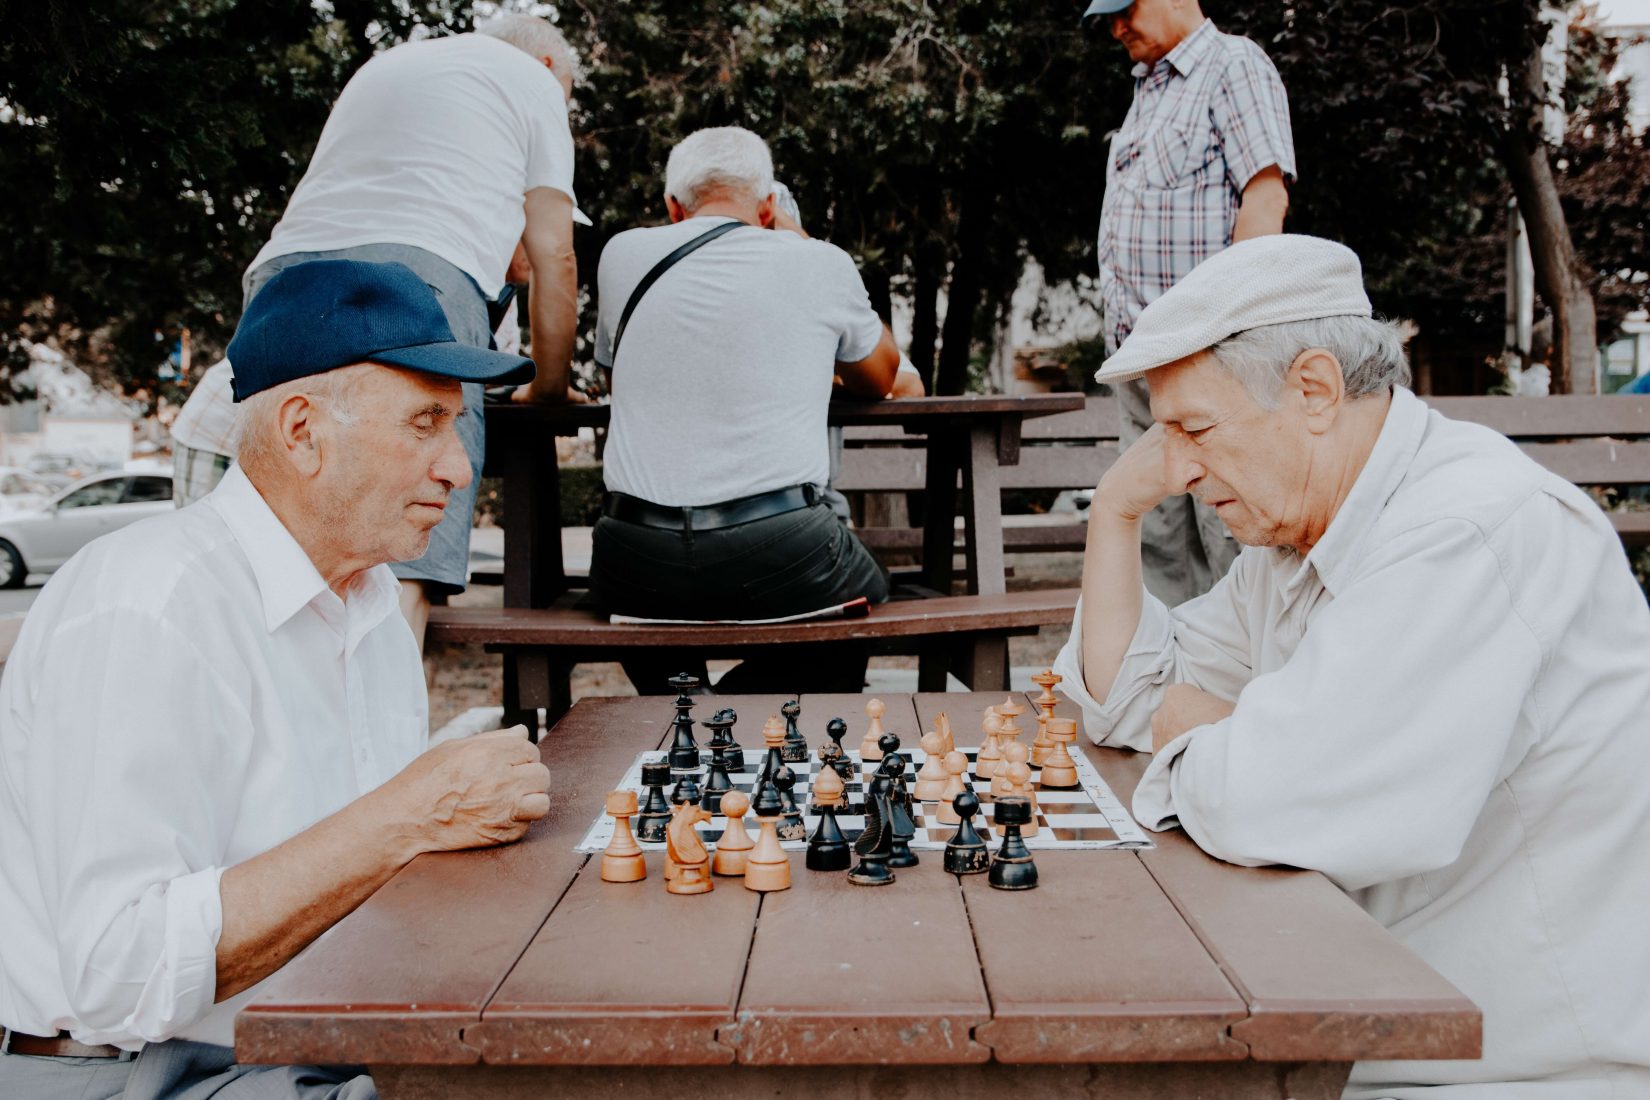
point(869, 750)
point(955, 765)
point(931, 777)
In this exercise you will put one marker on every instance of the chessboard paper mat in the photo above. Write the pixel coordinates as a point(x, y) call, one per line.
point(1088, 818)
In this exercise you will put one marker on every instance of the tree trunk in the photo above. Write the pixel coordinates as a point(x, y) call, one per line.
point(925, 325)
point(1560, 277)
point(962, 296)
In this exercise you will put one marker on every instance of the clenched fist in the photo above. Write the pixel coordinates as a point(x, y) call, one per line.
point(474, 792)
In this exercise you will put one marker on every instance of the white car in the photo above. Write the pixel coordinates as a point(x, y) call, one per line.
point(42, 538)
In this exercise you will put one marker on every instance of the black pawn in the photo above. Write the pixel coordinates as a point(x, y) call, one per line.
point(876, 842)
point(1012, 869)
point(686, 790)
point(790, 825)
point(828, 849)
point(721, 737)
point(966, 853)
point(654, 814)
point(717, 782)
point(795, 749)
point(684, 751)
point(766, 802)
point(836, 729)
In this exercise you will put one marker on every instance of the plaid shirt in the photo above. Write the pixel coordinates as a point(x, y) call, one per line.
point(1205, 120)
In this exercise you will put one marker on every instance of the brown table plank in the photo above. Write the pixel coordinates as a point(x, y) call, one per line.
point(402, 977)
point(1095, 964)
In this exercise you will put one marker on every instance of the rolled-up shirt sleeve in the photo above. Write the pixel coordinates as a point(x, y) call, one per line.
point(1332, 761)
point(135, 820)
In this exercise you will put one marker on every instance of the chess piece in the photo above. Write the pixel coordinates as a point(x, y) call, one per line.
point(830, 755)
point(1060, 770)
point(901, 827)
point(717, 783)
point(736, 843)
point(1015, 776)
point(1008, 733)
point(684, 752)
point(1046, 702)
point(955, 765)
point(721, 740)
point(836, 729)
point(622, 861)
point(828, 849)
point(773, 737)
point(931, 777)
point(1012, 868)
point(942, 726)
point(868, 750)
point(735, 752)
point(687, 851)
point(686, 789)
point(991, 752)
point(876, 841)
point(655, 812)
point(795, 749)
point(767, 867)
point(790, 815)
point(965, 852)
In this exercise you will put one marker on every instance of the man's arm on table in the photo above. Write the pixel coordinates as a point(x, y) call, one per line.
point(872, 376)
point(473, 793)
point(552, 296)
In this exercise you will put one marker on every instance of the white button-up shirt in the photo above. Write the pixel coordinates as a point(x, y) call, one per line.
point(1444, 707)
point(185, 694)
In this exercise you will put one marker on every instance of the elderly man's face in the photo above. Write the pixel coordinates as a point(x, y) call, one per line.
point(1147, 29)
point(386, 478)
point(1251, 464)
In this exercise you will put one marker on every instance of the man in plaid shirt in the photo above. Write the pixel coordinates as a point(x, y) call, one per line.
point(1202, 160)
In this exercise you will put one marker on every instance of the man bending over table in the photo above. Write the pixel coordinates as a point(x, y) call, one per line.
point(717, 459)
point(212, 724)
point(1427, 675)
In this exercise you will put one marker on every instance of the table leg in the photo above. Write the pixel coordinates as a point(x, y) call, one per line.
point(992, 1081)
point(533, 572)
point(983, 512)
point(939, 525)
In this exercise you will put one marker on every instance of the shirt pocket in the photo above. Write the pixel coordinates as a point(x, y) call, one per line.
point(1164, 157)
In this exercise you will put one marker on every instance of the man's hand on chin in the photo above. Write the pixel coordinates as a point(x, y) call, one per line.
point(1185, 707)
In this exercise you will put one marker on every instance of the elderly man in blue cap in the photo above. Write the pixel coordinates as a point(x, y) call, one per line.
point(1427, 675)
point(1201, 160)
point(212, 727)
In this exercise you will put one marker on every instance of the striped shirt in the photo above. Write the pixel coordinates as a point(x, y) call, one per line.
point(1205, 120)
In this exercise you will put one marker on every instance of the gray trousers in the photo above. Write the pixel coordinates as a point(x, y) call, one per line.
point(1184, 546)
point(177, 1070)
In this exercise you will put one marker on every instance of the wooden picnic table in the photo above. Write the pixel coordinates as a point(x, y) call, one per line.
point(968, 440)
point(517, 972)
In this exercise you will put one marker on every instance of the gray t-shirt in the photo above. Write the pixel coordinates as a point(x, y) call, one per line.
point(724, 374)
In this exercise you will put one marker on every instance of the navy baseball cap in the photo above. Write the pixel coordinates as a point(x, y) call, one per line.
point(317, 316)
point(1100, 8)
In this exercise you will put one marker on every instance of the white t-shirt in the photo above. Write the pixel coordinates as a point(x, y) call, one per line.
point(724, 373)
point(434, 144)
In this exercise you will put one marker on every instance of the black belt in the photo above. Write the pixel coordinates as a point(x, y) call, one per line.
point(58, 1046)
point(709, 517)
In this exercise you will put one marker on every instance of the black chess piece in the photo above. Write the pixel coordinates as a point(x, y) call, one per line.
point(654, 815)
point(736, 751)
point(965, 852)
point(1012, 868)
point(684, 752)
point(828, 849)
point(836, 729)
point(790, 824)
point(686, 790)
point(721, 737)
point(876, 841)
point(795, 749)
point(717, 782)
point(901, 824)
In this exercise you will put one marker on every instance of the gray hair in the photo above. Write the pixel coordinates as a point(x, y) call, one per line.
point(1370, 351)
point(257, 436)
point(535, 37)
point(722, 159)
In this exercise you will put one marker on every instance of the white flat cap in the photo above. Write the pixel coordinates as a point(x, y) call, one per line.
point(1269, 280)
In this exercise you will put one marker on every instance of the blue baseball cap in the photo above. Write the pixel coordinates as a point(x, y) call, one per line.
point(1099, 8)
point(325, 314)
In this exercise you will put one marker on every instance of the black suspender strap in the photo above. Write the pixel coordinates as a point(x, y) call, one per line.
point(659, 269)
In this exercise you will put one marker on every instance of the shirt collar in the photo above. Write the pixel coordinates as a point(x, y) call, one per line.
point(1389, 461)
point(1186, 55)
point(287, 580)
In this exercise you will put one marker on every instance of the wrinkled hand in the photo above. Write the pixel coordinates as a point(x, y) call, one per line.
point(474, 792)
point(1138, 481)
point(1185, 707)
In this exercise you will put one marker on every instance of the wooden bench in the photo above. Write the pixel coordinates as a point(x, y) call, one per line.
point(1592, 441)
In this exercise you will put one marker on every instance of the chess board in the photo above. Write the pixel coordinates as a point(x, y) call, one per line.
point(1089, 817)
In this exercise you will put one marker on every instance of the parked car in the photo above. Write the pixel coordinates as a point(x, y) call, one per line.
point(42, 538)
point(20, 489)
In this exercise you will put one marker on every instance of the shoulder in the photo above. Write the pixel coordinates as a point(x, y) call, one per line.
point(1237, 58)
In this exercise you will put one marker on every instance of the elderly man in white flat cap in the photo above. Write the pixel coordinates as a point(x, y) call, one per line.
point(1427, 675)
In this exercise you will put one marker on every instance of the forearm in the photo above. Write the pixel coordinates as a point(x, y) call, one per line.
point(1112, 585)
point(277, 903)
point(553, 316)
point(1264, 204)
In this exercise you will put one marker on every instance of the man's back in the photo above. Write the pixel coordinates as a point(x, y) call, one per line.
point(724, 372)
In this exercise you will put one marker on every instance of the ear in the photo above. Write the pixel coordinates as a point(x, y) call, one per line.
point(764, 212)
point(676, 210)
point(298, 419)
point(1316, 383)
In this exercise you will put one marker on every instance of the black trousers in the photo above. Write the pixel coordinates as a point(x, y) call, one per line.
point(782, 565)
